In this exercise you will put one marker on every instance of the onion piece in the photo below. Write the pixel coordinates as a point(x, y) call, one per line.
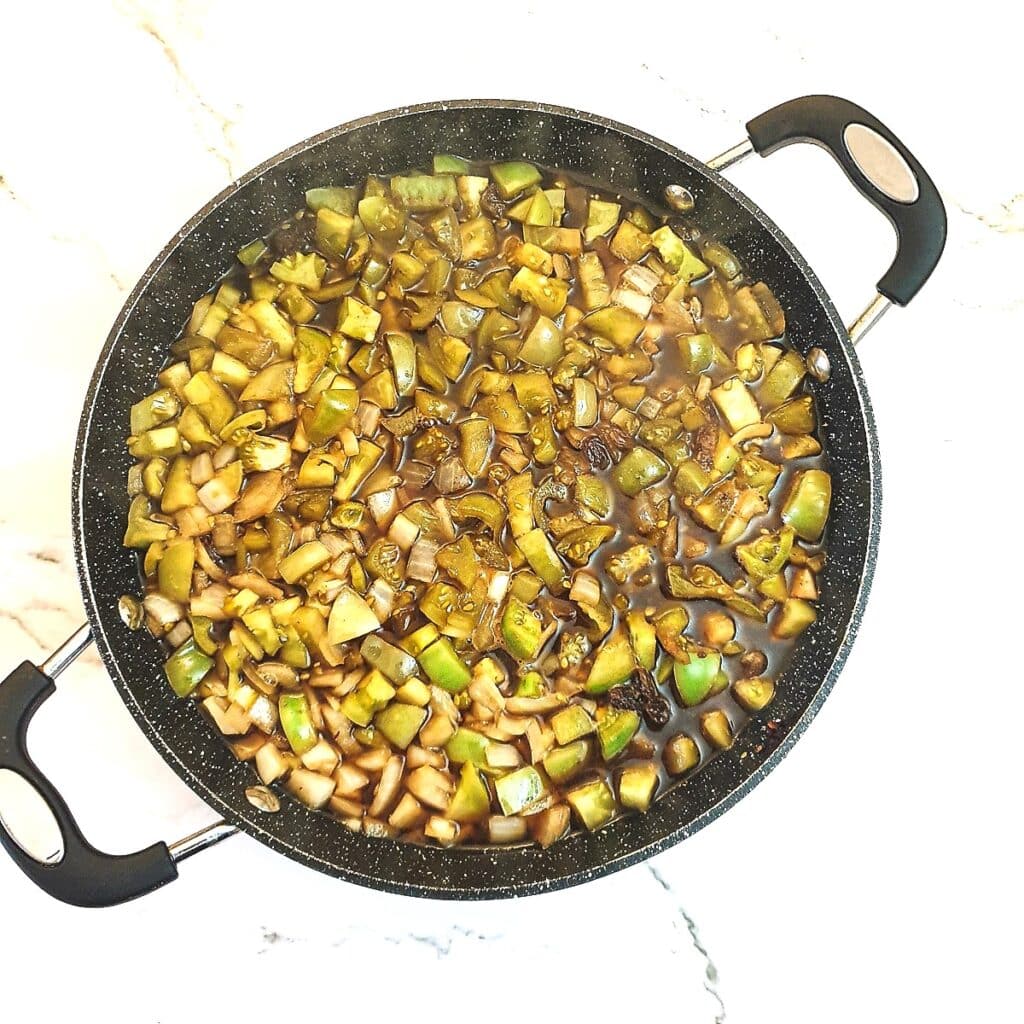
point(162, 610)
point(383, 506)
point(387, 789)
point(422, 564)
point(502, 829)
point(312, 789)
point(381, 598)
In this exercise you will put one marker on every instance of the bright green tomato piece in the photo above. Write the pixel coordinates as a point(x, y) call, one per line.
point(593, 803)
point(399, 723)
point(297, 722)
point(422, 192)
point(174, 573)
point(340, 199)
point(806, 507)
point(444, 666)
point(519, 789)
point(446, 163)
point(697, 678)
point(572, 723)
point(521, 630)
point(514, 177)
point(563, 763)
point(614, 664)
point(638, 469)
point(614, 731)
point(643, 637)
point(187, 667)
point(467, 745)
point(471, 800)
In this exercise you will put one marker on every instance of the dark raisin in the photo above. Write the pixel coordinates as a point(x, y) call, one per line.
point(625, 698)
point(656, 713)
point(596, 452)
point(617, 440)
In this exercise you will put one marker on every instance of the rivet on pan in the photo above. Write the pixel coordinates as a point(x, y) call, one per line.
point(818, 365)
point(679, 198)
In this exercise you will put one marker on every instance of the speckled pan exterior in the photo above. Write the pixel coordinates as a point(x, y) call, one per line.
point(608, 152)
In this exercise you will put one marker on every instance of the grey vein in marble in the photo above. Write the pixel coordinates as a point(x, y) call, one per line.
point(225, 151)
point(710, 971)
point(62, 238)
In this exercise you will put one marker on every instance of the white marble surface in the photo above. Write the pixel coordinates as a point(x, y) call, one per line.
point(875, 875)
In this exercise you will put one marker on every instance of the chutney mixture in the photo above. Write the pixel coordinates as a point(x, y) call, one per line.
point(479, 505)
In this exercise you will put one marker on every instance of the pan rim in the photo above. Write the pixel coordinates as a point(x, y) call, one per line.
point(637, 853)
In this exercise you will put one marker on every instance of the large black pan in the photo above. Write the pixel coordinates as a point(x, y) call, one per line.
point(878, 165)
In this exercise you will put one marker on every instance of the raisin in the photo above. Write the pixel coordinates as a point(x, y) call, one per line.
point(596, 452)
point(491, 203)
point(753, 664)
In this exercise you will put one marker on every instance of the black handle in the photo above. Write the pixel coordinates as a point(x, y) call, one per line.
point(919, 220)
point(84, 876)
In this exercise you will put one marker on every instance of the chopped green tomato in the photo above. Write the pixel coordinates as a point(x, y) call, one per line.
point(766, 556)
point(783, 379)
point(357, 320)
point(544, 561)
point(396, 664)
point(478, 239)
point(681, 754)
point(312, 348)
point(420, 639)
point(639, 468)
point(303, 560)
point(616, 324)
point(333, 232)
point(677, 256)
point(159, 407)
point(736, 404)
point(807, 504)
point(467, 745)
point(514, 177)
point(373, 694)
point(297, 722)
point(717, 729)
point(601, 218)
point(543, 345)
point(643, 637)
point(562, 763)
point(350, 617)
point(444, 667)
point(593, 283)
point(519, 790)
point(260, 622)
point(420, 192)
point(446, 163)
point(637, 784)
point(304, 269)
point(796, 615)
point(339, 199)
point(613, 665)
point(630, 243)
point(547, 294)
point(399, 723)
point(572, 723)
point(211, 400)
point(174, 573)
point(402, 350)
point(471, 800)
point(614, 730)
point(187, 667)
point(699, 677)
point(593, 803)
point(357, 469)
point(795, 416)
point(521, 629)
point(249, 255)
point(143, 531)
point(504, 413)
point(753, 694)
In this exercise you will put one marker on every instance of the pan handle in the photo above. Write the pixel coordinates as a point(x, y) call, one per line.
point(880, 167)
point(69, 868)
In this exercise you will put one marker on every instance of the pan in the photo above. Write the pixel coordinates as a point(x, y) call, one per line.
point(879, 166)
